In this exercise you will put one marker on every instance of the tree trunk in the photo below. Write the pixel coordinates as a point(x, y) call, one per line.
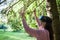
point(52, 12)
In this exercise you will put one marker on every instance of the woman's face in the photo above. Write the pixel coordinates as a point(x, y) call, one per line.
point(43, 24)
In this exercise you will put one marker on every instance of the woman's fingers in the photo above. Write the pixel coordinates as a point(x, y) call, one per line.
point(22, 12)
point(34, 10)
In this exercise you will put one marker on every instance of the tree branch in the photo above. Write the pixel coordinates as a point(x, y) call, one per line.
point(2, 2)
point(8, 8)
point(41, 3)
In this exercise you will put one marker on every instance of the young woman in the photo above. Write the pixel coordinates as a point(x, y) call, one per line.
point(44, 31)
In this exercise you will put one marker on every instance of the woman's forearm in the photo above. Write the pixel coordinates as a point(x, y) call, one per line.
point(28, 29)
point(25, 24)
point(38, 21)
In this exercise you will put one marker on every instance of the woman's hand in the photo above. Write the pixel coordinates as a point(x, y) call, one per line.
point(37, 20)
point(22, 12)
point(34, 12)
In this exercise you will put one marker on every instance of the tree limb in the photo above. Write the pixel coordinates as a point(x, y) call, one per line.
point(8, 8)
point(41, 3)
point(2, 2)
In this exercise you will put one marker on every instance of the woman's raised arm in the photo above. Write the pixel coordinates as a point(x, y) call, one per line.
point(26, 27)
point(37, 20)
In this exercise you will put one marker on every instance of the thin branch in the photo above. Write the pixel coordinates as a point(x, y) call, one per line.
point(8, 8)
point(40, 3)
point(2, 2)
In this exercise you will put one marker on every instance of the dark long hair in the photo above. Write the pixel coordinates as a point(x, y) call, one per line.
point(48, 25)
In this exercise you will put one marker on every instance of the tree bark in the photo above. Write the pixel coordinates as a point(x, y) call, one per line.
point(51, 8)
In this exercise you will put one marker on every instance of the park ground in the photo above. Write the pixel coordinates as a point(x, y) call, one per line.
point(15, 36)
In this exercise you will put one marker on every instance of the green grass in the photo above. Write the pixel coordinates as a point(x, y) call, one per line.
point(15, 36)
